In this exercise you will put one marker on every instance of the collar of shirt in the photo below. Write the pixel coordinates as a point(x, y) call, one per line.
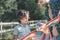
point(22, 25)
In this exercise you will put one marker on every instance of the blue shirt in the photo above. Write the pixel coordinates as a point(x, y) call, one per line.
point(21, 30)
point(54, 7)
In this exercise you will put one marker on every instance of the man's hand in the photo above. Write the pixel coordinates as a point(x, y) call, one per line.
point(50, 12)
point(54, 31)
point(59, 15)
point(47, 32)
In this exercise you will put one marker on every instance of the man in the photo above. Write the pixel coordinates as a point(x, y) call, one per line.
point(52, 12)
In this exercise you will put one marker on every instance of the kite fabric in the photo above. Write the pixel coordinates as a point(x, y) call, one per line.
point(42, 28)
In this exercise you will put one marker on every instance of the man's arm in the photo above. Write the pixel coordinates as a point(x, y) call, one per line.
point(50, 12)
point(54, 30)
point(59, 15)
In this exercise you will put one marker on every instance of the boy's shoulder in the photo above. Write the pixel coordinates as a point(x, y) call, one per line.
point(18, 27)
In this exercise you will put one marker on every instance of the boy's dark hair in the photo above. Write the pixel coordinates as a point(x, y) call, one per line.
point(21, 14)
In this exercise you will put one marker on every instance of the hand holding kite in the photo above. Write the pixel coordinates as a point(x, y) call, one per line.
point(42, 28)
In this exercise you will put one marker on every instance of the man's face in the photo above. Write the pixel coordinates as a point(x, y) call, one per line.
point(43, 2)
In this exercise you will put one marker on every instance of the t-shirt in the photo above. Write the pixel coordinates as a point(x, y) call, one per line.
point(21, 30)
point(54, 8)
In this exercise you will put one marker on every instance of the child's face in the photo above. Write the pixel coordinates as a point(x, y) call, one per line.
point(25, 19)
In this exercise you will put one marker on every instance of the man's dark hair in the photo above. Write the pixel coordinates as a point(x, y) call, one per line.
point(36, 1)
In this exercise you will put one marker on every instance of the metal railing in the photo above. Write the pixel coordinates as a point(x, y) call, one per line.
point(31, 23)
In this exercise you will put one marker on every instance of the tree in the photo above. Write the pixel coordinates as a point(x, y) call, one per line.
point(7, 7)
point(36, 12)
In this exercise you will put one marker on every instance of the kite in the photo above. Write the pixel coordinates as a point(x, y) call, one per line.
point(41, 28)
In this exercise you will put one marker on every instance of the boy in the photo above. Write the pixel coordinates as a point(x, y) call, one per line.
point(22, 28)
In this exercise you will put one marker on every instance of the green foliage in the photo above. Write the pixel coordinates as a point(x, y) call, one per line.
point(4, 36)
point(8, 5)
point(36, 12)
point(7, 36)
point(9, 8)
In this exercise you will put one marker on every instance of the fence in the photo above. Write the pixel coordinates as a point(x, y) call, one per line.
point(31, 23)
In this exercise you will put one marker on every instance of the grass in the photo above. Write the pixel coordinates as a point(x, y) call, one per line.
point(7, 36)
